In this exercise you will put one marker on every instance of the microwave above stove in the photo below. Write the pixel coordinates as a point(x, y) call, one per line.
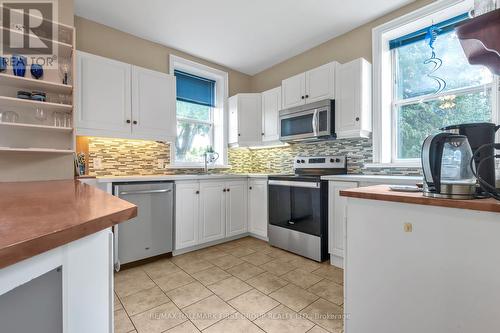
point(310, 122)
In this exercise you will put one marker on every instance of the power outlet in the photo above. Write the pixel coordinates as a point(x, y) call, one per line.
point(161, 163)
point(97, 163)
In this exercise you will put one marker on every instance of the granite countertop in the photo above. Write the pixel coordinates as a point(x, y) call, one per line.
point(39, 216)
point(110, 179)
point(383, 193)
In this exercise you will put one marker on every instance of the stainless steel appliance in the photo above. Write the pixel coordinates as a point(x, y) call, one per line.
point(478, 135)
point(446, 166)
point(310, 122)
point(298, 206)
point(150, 233)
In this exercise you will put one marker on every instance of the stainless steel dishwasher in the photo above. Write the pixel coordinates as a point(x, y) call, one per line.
point(150, 233)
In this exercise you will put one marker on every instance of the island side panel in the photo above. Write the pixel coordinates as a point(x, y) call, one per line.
point(443, 275)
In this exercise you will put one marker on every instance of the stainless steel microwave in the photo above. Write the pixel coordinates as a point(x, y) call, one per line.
point(310, 122)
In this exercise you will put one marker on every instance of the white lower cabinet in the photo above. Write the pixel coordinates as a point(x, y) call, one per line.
point(336, 220)
point(210, 210)
point(257, 207)
point(187, 196)
point(236, 207)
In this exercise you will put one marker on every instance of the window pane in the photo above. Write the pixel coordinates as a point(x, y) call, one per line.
point(416, 121)
point(412, 79)
point(193, 111)
point(192, 141)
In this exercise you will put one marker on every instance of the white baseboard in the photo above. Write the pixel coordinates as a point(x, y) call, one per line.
point(336, 261)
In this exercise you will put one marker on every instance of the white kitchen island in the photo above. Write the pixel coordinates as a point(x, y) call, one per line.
point(56, 256)
point(415, 264)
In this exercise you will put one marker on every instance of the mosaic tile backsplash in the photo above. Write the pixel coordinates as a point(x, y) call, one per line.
point(122, 157)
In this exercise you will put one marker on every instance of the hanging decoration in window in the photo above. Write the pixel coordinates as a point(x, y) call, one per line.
point(432, 33)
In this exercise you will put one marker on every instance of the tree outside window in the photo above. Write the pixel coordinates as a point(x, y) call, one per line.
point(194, 132)
point(418, 111)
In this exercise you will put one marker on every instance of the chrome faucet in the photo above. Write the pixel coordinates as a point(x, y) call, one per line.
point(210, 157)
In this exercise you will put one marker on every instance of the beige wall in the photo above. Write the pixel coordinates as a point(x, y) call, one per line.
point(102, 40)
point(349, 46)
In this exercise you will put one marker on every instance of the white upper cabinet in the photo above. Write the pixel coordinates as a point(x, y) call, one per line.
point(293, 91)
point(245, 119)
point(153, 104)
point(103, 95)
point(320, 83)
point(353, 99)
point(311, 86)
point(271, 104)
point(116, 99)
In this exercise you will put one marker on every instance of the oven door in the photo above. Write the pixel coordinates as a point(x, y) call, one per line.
point(295, 205)
point(305, 125)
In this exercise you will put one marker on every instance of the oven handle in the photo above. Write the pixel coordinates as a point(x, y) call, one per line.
point(294, 184)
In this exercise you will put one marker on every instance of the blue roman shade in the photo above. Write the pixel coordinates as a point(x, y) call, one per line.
point(443, 27)
point(195, 89)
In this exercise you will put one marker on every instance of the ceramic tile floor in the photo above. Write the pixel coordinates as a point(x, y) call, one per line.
point(240, 286)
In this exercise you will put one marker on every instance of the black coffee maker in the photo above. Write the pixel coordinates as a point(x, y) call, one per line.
point(480, 134)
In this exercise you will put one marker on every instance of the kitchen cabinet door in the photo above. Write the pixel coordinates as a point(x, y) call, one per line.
point(236, 207)
point(245, 120)
point(257, 207)
point(337, 219)
point(186, 214)
point(249, 119)
point(212, 211)
point(271, 104)
point(320, 82)
point(153, 105)
point(103, 96)
point(353, 115)
point(293, 91)
point(233, 120)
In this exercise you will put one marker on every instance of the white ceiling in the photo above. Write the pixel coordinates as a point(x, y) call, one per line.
point(245, 35)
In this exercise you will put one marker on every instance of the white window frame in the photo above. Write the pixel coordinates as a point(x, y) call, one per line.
point(218, 114)
point(383, 83)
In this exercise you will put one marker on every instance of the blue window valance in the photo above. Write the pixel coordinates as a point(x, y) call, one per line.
point(195, 89)
point(442, 28)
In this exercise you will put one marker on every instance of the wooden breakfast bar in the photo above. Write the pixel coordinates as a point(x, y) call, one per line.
point(56, 254)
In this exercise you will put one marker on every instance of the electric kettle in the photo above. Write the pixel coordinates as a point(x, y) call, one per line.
point(446, 166)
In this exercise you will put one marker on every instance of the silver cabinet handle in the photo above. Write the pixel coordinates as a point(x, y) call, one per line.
point(145, 191)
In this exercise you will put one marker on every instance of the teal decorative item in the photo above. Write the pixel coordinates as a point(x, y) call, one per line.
point(432, 33)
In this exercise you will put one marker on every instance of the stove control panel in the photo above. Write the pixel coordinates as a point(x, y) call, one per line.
point(302, 162)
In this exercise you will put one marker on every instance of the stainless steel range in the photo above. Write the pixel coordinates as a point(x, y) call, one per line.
point(298, 206)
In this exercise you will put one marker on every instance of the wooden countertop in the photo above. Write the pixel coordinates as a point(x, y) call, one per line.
point(383, 193)
point(38, 216)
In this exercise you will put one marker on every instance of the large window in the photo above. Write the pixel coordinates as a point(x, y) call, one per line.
point(417, 92)
point(195, 124)
point(419, 110)
point(201, 95)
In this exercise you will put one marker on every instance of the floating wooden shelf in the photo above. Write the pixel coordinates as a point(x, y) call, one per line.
point(36, 150)
point(40, 127)
point(32, 84)
point(13, 102)
point(480, 39)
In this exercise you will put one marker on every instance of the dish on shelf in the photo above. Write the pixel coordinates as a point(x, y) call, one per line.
point(9, 117)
